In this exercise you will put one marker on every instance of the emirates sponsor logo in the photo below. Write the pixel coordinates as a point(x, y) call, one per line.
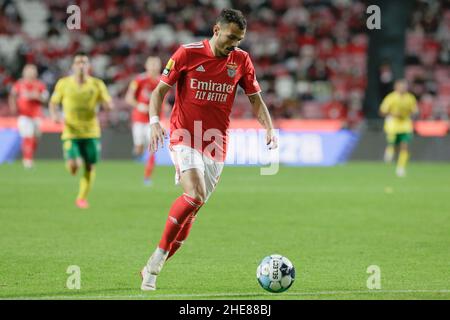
point(211, 91)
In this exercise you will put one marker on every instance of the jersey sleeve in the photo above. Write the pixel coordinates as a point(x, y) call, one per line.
point(57, 95)
point(386, 104)
point(248, 81)
point(176, 65)
point(104, 94)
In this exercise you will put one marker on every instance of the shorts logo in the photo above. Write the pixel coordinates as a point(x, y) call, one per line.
point(231, 69)
point(168, 67)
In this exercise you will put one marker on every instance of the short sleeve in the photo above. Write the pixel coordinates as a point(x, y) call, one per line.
point(176, 65)
point(386, 104)
point(57, 95)
point(104, 94)
point(248, 80)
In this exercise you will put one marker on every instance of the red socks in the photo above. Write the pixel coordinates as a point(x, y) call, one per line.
point(149, 166)
point(29, 146)
point(182, 235)
point(183, 207)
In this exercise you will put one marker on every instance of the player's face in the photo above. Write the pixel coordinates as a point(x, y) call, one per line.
point(153, 65)
point(228, 38)
point(80, 65)
point(401, 87)
point(29, 72)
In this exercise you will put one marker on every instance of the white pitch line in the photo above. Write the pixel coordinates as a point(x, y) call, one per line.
point(228, 294)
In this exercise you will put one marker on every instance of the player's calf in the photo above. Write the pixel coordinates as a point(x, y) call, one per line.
point(182, 235)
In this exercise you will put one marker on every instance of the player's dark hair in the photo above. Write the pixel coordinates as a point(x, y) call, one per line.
point(80, 54)
point(232, 16)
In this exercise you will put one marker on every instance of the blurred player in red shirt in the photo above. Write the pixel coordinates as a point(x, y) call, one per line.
point(27, 96)
point(138, 96)
point(207, 75)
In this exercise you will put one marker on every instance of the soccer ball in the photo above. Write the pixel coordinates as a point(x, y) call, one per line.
point(275, 273)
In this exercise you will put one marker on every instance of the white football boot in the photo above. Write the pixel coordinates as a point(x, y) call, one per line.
point(148, 280)
point(152, 269)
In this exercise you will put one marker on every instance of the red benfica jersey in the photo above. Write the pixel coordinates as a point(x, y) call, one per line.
point(23, 89)
point(144, 86)
point(206, 88)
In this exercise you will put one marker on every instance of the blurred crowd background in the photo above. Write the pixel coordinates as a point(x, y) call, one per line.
point(310, 55)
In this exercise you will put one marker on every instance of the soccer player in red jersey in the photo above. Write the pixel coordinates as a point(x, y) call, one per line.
point(207, 75)
point(26, 99)
point(138, 96)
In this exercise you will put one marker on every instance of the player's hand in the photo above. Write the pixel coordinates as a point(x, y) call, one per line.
point(157, 135)
point(271, 139)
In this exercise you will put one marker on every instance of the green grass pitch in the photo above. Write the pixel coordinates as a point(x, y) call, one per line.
point(332, 223)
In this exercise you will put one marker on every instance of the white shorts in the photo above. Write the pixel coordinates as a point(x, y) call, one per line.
point(185, 158)
point(28, 127)
point(141, 133)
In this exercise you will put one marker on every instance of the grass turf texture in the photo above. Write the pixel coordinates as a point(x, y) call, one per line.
point(332, 223)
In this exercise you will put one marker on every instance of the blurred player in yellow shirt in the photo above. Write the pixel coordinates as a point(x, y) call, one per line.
point(80, 94)
point(398, 107)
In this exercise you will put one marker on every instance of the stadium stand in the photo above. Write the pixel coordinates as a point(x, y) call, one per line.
point(310, 55)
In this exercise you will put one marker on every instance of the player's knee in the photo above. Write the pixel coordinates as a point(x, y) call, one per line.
point(198, 194)
point(138, 150)
point(72, 167)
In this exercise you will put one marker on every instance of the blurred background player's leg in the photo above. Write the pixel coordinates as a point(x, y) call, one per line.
point(141, 136)
point(389, 152)
point(28, 131)
point(72, 155)
point(403, 158)
point(90, 152)
point(138, 140)
point(150, 164)
point(86, 182)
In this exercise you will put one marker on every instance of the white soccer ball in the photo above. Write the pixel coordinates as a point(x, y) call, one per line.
point(275, 273)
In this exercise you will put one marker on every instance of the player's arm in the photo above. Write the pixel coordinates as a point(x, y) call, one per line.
point(156, 101)
point(385, 106)
point(55, 101)
point(131, 94)
point(53, 109)
point(176, 65)
point(262, 114)
point(12, 101)
point(105, 99)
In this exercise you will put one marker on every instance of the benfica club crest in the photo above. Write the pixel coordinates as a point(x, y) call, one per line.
point(231, 69)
